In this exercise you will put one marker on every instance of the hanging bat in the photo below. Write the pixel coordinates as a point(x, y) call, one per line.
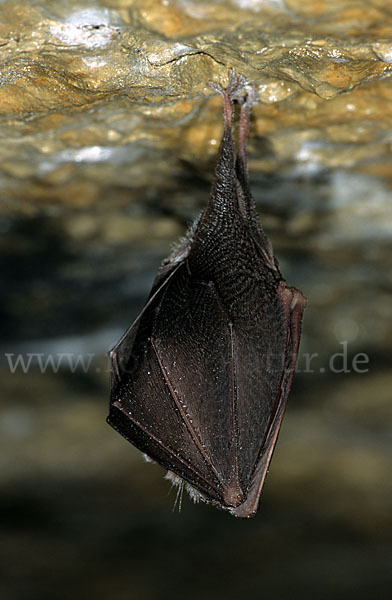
point(200, 381)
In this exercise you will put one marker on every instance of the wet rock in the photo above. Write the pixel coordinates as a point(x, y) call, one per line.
point(86, 90)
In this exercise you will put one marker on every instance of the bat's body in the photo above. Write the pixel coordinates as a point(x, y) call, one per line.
point(200, 381)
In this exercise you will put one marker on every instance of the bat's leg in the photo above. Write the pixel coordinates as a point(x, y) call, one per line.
point(223, 190)
point(243, 178)
point(234, 89)
point(246, 105)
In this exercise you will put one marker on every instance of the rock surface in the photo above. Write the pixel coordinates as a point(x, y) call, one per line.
point(96, 98)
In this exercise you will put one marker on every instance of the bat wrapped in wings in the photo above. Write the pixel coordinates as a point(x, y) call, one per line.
point(200, 381)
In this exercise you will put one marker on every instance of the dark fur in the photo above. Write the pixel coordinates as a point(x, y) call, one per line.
point(200, 381)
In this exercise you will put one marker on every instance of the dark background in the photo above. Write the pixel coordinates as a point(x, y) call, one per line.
point(82, 513)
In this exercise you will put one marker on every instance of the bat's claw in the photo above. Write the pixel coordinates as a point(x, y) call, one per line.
point(251, 97)
point(233, 91)
point(235, 86)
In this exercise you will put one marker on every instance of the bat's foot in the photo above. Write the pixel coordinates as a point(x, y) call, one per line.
point(235, 86)
point(233, 91)
point(250, 99)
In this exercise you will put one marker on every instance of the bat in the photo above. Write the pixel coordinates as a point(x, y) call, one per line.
point(200, 381)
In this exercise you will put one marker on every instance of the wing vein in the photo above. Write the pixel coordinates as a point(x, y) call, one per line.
point(168, 449)
point(278, 409)
point(187, 422)
point(233, 388)
point(234, 406)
